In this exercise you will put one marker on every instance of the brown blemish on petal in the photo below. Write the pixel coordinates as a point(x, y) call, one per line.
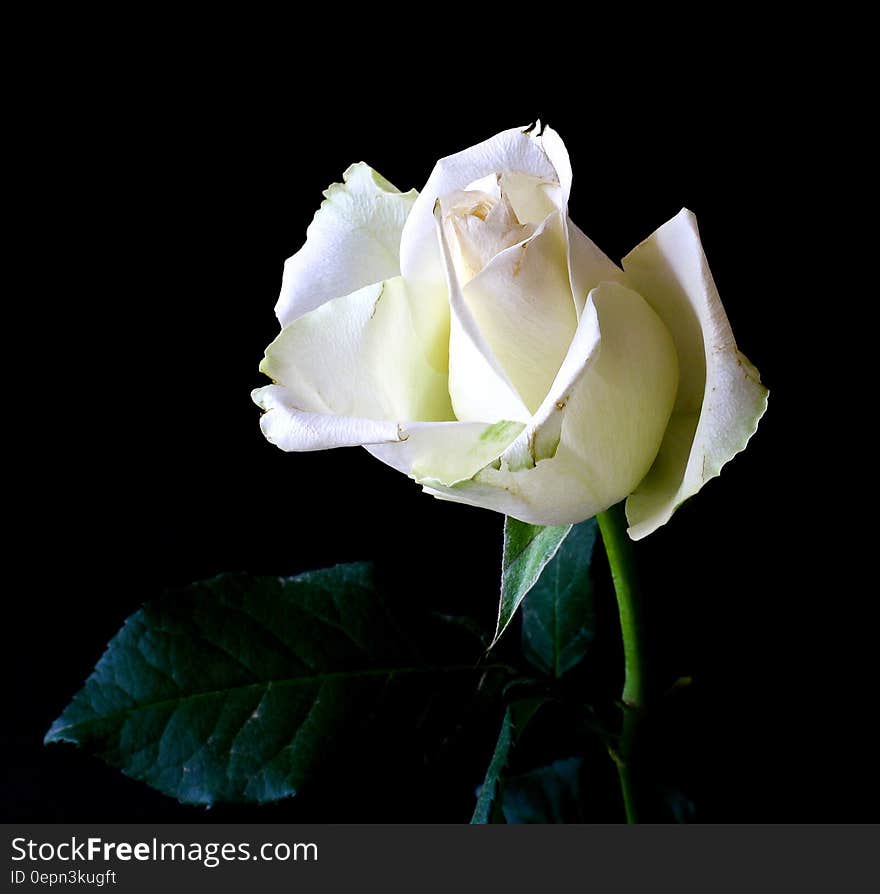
point(519, 261)
point(378, 299)
point(532, 449)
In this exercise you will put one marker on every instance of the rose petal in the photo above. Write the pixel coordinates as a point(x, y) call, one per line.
point(540, 439)
point(478, 226)
point(612, 423)
point(360, 356)
point(588, 265)
point(522, 303)
point(720, 397)
point(290, 428)
point(353, 241)
point(478, 386)
point(447, 452)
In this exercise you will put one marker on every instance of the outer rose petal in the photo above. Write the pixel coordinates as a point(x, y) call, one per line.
point(614, 409)
point(447, 452)
point(360, 356)
point(720, 398)
point(287, 426)
point(353, 241)
point(354, 372)
point(453, 451)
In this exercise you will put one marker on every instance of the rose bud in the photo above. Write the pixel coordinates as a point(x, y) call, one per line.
point(472, 337)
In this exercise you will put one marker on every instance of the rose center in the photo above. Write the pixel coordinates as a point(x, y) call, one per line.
point(478, 226)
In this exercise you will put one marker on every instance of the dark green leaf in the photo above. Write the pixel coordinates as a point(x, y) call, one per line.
point(550, 794)
point(558, 617)
point(235, 688)
point(489, 788)
point(527, 549)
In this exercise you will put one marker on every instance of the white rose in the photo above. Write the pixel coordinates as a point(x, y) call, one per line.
point(472, 337)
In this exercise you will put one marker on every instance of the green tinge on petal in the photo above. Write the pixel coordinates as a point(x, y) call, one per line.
point(446, 468)
point(361, 356)
point(445, 453)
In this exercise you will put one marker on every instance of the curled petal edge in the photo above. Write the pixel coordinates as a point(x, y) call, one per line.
point(671, 271)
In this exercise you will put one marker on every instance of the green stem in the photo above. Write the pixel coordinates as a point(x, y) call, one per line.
point(625, 764)
point(618, 546)
point(619, 549)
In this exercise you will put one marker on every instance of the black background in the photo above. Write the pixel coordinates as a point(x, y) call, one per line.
point(160, 204)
